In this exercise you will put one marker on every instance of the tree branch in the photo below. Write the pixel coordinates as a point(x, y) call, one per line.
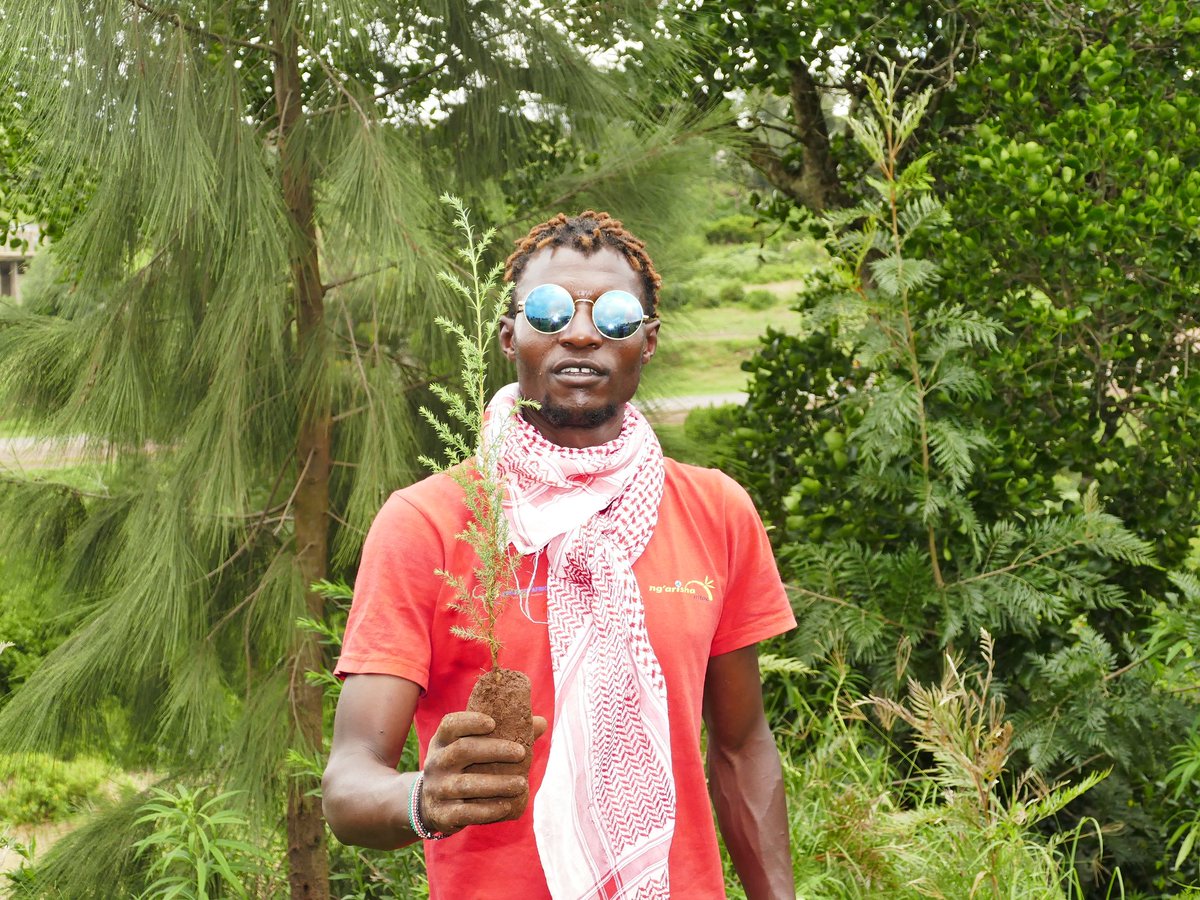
point(340, 86)
point(174, 18)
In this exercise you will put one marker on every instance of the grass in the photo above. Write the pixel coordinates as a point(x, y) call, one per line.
point(701, 351)
point(702, 345)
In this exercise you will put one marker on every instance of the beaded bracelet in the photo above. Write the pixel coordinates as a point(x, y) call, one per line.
point(414, 813)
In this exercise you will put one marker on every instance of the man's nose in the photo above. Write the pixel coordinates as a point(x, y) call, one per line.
point(581, 330)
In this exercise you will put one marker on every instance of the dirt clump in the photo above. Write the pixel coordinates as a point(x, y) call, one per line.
point(504, 694)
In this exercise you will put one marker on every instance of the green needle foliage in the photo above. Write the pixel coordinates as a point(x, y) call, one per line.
point(471, 461)
point(243, 330)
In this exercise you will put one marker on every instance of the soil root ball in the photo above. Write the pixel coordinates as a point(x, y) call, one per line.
point(504, 694)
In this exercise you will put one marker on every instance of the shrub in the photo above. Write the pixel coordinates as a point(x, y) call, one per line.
point(891, 450)
point(38, 788)
point(674, 295)
point(866, 822)
point(197, 848)
point(736, 229)
point(25, 624)
point(730, 293)
point(760, 298)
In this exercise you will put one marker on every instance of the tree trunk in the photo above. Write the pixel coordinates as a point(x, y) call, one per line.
point(308, 861)
point(822, 187)
point(815, 184)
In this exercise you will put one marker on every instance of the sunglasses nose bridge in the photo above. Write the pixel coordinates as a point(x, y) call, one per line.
point(582, 319)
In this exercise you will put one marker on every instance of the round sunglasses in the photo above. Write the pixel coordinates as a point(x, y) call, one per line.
point(549, 308)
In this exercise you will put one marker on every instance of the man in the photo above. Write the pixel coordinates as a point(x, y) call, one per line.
point(642, 591)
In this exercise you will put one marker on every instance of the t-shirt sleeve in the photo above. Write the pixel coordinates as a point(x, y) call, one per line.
point(756, 604)
point(395, 596)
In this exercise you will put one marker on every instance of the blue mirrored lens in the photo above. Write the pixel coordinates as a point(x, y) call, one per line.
point(617, 314)
point(549, 307)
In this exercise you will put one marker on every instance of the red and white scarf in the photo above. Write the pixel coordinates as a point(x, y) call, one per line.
point(605, 813)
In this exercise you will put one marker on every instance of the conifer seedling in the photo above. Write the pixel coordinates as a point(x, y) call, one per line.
point(503, 694)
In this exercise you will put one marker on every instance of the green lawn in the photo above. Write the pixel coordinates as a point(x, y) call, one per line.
point(700, 351)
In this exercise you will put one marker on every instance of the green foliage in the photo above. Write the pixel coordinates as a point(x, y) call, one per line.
point(472, 460)
point(357, 873)
point(753, 264)
point(738, 228)
point(102, 846)
point(24, 198)
point(26, 625)
point(197, 848)
point(1065, 156)
point(730, 293)
point(866, 822)
point(36, 788)
point(759, 299)
point(884, 449)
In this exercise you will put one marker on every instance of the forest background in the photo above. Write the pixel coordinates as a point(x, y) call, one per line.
point(975, 440)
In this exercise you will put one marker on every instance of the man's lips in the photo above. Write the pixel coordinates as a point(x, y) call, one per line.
point(577, 368)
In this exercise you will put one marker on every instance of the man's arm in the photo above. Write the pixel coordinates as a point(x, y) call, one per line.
point(366, 799)
point(745, 777)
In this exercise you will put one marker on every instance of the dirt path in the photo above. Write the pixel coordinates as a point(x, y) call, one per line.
point(25, 453)
point(786, 289)
point(39, 838)
point(673, 410)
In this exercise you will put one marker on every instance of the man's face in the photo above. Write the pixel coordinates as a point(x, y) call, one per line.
point(581, 378)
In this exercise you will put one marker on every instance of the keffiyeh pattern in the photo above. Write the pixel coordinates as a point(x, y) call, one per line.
point(605, 813)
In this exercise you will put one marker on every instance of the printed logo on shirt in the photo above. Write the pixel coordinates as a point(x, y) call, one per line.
point(700, 590)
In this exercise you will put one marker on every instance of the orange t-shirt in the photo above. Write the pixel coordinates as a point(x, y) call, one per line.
point(710, 586)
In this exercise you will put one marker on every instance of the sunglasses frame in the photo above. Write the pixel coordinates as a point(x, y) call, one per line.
point(646, 317)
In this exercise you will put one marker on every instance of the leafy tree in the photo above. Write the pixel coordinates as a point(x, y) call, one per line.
point(1064, 151)
point(245, 327)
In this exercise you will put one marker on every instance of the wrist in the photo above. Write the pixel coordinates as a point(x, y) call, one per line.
point(415, 820)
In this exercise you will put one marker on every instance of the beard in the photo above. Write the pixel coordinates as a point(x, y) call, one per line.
point(562, 417)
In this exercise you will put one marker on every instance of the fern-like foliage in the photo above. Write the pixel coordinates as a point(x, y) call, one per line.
point(470, 460)
point(935, 574)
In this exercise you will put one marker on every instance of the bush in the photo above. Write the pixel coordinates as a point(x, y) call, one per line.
point(736, 229)
point(673, 296)
point(933, 461)
point(38, 788)
point(730, 293)
point(25, 624)
point(198, 848)
point(760, 298)
point(699, 295)
point(866, 823)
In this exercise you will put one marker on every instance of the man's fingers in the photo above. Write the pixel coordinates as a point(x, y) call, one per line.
point(457, 725)
point(455, 816)
point(473, 786)
point(539, 726)
point(471, 751)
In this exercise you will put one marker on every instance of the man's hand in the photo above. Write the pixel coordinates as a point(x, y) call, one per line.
point(452, 797)
point(366, 799)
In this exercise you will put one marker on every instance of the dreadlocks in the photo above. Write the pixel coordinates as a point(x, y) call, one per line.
point(587, 232)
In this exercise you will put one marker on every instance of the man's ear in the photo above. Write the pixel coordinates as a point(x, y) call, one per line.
point(651, 345)
point(507, 331)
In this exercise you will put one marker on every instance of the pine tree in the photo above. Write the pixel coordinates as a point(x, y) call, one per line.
point(246, 328)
